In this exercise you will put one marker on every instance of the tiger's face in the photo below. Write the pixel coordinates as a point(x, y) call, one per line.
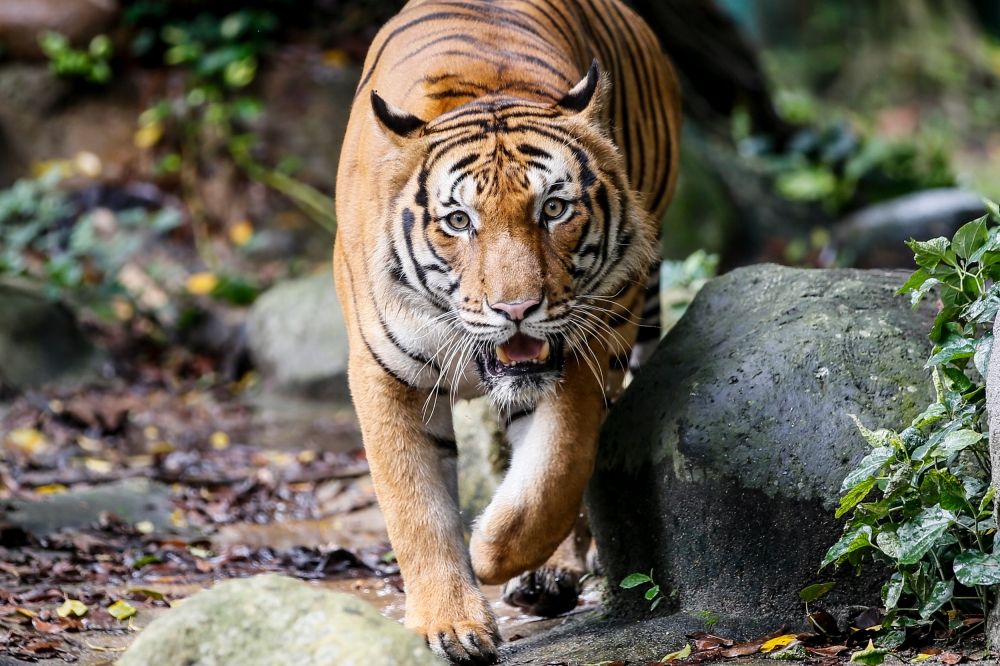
point(518, 220)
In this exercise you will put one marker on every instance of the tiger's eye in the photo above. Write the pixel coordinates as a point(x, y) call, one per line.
point(458, 220)
point(554, 207)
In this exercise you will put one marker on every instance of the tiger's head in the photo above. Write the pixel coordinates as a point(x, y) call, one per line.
point(514, 219)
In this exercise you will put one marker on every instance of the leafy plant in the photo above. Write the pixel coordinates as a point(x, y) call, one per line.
point(653, 594)
point(814, 592)
point(841, 169)
point(921, 500)
point(43, 237)
point(710, 618)
point(90, 65)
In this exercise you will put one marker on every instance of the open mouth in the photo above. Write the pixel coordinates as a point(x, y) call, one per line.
point(521, 355)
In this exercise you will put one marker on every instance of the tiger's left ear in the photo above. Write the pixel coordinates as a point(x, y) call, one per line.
point(584, 97)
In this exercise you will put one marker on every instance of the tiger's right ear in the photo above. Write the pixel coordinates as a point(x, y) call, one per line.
point(400, 123)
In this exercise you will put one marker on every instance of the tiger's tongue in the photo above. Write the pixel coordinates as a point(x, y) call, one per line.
point(522, 347)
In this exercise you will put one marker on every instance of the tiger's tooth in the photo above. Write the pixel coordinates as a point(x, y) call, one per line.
point(544, 354)
point(502, 355)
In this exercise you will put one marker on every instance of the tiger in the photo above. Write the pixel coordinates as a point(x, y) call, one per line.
point(502, 177)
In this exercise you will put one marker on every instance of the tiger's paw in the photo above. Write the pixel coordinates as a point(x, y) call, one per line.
point(548, 591)
point(468, 639)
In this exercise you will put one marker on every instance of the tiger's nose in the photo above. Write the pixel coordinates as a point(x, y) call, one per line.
point(515, 311)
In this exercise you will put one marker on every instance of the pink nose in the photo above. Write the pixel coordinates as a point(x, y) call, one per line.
point(515, 311)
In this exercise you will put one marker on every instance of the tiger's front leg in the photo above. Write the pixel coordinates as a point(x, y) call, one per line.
point(538, 502)
point(414, 467)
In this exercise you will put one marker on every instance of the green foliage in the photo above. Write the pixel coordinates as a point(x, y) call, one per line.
point(43, 238)
point(921, 500)
point(90, 65)
point(653, 594)
point(840, 169)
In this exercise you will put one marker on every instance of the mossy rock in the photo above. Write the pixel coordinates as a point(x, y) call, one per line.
point(720, 466)
point(271, 620)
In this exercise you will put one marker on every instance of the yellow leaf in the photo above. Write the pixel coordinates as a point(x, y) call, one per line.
point(121, 610)
point(72, 607)
point(28, 440)
point(336, 58)
point(683, 653)
point(162, 448)
point(26, 613)
point(98, 466)
point(148, 136)
point(145, 527)
point(177, 518)
point(88, 164)
point(777, 642)
point(220, 441)
point(241, 233)
point(51, 489)
point(98, 648)
point(200, 284)
point(921, 657)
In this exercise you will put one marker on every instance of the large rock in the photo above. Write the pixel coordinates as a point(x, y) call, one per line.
point(275, 621)
point(298, 339)
point(720, 466)
point(39, 338)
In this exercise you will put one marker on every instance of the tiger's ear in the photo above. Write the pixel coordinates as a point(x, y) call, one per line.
point(400, 123)
point(584, 97)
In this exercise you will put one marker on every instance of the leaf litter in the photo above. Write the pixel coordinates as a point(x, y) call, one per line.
point(79, 590)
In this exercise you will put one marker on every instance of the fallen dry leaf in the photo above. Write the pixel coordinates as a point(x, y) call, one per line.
point(828, 651)
point(951, 658)
point(777, 642)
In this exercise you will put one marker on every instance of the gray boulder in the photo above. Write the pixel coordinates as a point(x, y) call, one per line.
point(720, 466)
point(298, 339)
point(39, 338)
point(874, 236)
point(271, 620)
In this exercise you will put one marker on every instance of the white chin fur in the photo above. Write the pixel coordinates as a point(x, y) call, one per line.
point(510, 393)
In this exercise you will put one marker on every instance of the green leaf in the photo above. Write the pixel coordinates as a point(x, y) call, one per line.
point(871, 655)
point(652, 592)
point(683, 653)
point(993, 209)
point(932, 414)
point(917, 295)
point(914, 281)
point(940, 595)
point(868, 467)
point(855, 496)
point(969, 237)
point(984, 349)
point(944, 488)
point(656, 602)
point(877, 438)
point(959, 381)
point(851, 541)
point(918, 535)
point(892, 591)
point(888, 543)
point(987, 498)
point(952, 347)
point(975, 568)
point(958, 441)
point(928, 254)
point(892, 640)
point(814, 592)
point(635, 580)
